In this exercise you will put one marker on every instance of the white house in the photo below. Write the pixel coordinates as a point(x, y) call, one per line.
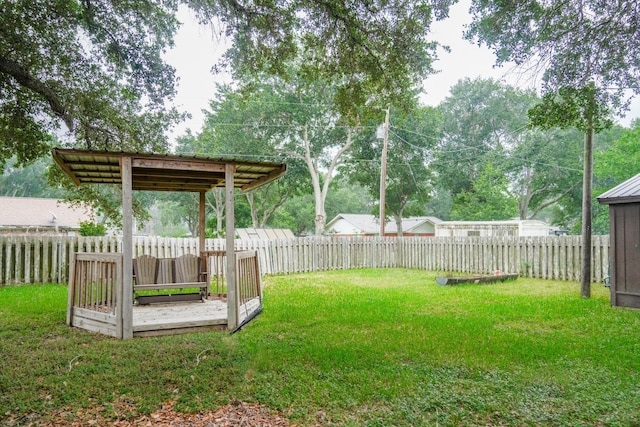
point(512, 228)
point(369, 225)
point(38, 215)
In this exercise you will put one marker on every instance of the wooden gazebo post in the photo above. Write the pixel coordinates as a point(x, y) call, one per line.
point(232, 307)
point(127, 249)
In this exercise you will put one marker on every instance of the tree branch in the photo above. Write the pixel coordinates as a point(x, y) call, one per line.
point(26, 80)
point(552, 201)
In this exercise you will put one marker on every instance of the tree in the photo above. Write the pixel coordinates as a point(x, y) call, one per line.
point(587, 55)
point(544, 168)
point(27, 181)
point(96, 67)
point(614, 163)
point(483, 120)
point(239, 125)
point(488, 200)
point(93, 67)
point(295, 119)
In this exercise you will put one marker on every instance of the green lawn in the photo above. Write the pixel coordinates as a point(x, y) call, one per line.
point(356, 348)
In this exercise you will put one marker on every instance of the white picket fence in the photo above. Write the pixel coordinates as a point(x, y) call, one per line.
point(45, 259)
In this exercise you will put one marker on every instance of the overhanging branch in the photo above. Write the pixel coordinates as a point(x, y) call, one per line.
point(26, 80)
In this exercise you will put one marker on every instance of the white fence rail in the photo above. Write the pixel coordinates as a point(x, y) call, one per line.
point(40, 259)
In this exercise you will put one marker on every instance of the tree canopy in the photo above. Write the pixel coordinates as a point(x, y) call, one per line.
point(568, 43)
point(94, 69)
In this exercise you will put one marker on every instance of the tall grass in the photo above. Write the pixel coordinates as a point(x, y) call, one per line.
point(363, 347)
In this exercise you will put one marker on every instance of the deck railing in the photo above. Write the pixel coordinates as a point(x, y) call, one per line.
point(248, 283)
point(215, 262)
point(95, 293)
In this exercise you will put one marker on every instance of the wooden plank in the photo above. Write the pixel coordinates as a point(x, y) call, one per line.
point(179, 165)
point(95, 326)
point(95, 315)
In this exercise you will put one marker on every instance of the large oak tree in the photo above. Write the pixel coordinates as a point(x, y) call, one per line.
point(93, 68)
point(585, 53)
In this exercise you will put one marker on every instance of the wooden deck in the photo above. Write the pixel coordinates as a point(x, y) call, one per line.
point(172, 318)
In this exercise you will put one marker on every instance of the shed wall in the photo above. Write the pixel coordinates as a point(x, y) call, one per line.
point(625, 254)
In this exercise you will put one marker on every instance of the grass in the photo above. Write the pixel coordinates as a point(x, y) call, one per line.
point(356, 348)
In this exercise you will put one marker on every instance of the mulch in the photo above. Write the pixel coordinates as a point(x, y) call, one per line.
point(235, 414)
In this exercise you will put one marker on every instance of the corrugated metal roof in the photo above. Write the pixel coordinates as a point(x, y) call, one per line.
point(160, 172)
point(627, 192)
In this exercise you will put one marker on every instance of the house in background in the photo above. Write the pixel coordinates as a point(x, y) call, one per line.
point(369, 225)
point(512, 228)
point(20, 215)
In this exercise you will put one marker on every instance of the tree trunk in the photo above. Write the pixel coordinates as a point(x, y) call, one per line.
point(254, 212)
point(585, 285)
point(398, 218)
point(218, 207)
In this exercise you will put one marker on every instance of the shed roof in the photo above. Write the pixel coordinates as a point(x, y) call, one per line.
point(627, 192)
point(160, 172)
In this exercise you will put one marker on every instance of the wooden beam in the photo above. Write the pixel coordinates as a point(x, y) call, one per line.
point(277, 173)
point(61, 163)
point(182, 165)
point(202, 223)
point(126, 289)
point(232, 296)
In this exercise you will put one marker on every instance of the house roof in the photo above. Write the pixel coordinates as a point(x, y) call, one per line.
point(159, 172)
point(22, 212)
point(627, 192)
point(369, 224)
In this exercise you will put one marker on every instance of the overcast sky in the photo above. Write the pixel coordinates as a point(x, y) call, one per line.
point(199, 48)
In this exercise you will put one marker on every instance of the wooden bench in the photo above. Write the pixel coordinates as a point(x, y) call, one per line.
point(155, 274)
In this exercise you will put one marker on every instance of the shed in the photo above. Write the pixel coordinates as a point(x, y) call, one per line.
point(624, 255)
point(511, 228)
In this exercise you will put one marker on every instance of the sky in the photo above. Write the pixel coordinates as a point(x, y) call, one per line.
point(198, 48)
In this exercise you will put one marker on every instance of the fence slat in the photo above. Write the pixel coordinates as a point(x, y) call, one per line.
point(34, 258)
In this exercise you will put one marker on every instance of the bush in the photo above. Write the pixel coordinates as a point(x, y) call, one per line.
point(88, 228)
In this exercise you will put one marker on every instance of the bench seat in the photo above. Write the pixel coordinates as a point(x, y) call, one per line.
point(153, 274)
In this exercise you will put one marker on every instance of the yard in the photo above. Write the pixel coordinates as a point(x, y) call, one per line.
point(360, 347)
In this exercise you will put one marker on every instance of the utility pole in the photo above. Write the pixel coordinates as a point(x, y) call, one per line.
point(383, 173)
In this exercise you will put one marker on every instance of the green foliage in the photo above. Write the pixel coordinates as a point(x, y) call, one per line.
point(95, 68)
point(377, 52)
point(489, 199)
point(28, 181)
point(90, 228)
point(363, 347)
point(572, 107)
point(614, 164)
point(569, 43)
point(482, 120)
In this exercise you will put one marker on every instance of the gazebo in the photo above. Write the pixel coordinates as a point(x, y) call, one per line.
point(101, 284)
